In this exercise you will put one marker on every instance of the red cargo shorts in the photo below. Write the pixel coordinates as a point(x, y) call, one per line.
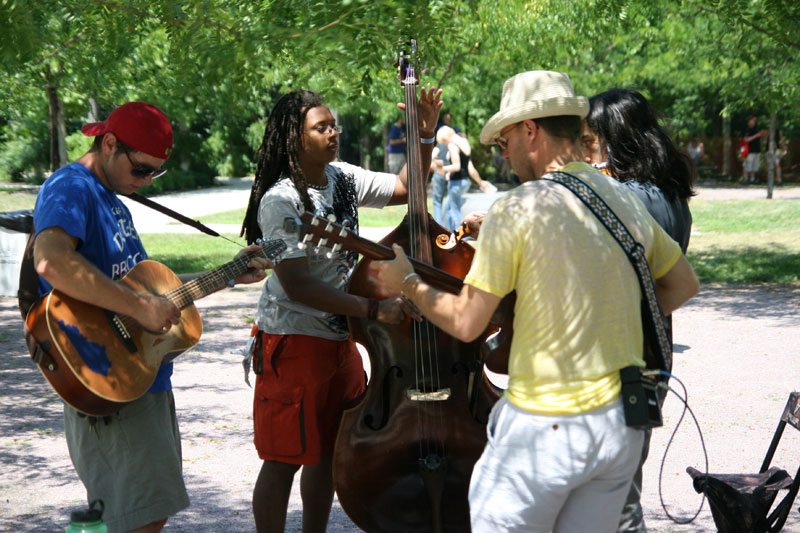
point(305, 385)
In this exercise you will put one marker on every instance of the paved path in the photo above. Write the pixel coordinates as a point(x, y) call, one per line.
point(736, 351)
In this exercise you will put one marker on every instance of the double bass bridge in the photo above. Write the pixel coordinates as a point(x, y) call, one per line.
point(416, 395)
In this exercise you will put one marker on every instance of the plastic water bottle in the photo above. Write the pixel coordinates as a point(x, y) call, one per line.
point(87, 520)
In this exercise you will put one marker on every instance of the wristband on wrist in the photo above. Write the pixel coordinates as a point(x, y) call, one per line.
point(372, 309)
point(405, 279)
point(427, 140)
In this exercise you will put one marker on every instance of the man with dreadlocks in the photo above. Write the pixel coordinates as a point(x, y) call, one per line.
point(308, 370)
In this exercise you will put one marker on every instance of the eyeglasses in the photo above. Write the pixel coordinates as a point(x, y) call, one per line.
point(143, 171)
point(501, 141)
point(327, 129)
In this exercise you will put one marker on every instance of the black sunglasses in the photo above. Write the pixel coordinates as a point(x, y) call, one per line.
point(143, 171)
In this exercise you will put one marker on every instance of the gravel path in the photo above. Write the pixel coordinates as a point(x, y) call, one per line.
point(735, 351)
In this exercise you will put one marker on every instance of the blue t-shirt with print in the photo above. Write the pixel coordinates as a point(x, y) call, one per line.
point(397, 132)
point(74, 200)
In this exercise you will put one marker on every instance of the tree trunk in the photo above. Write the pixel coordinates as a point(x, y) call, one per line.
point(770, 157)
point(58, 127)
point(364, 148)
point(385, 138)
point(726, 145)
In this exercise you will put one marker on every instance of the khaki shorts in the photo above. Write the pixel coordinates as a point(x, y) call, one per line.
point(305, 386)
point(752, 162)
point(131, 461)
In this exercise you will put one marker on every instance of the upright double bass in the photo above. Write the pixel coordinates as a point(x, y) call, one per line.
point(405, 453)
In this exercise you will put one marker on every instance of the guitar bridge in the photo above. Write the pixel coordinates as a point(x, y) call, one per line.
point(121, 331)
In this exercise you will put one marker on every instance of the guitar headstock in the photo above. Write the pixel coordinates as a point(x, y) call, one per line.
point(322, 233)
point(272, 248)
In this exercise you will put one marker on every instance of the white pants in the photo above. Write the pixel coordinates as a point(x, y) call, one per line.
point(543, 473)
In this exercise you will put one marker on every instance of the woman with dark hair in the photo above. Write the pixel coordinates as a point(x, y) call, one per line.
point(622, 137)
point(307, 368)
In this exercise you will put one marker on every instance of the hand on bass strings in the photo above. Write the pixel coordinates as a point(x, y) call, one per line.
point(429, 106)
point(395, 309)
point(473, 223)
point(255, 268)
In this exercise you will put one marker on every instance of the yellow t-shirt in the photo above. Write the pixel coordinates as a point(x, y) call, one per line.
point(577, 317)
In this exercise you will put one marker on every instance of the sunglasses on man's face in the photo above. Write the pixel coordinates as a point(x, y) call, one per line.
point(139, 170)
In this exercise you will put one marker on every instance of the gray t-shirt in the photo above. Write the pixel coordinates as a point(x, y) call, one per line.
point(672, 215)
point(349, 187)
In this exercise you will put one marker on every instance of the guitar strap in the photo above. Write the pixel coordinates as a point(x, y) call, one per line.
point(660, 354)
point(174, 214)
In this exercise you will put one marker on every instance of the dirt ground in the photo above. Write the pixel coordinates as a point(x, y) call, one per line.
point(736, 350)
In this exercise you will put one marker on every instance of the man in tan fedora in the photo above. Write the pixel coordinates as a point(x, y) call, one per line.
point(560, 456)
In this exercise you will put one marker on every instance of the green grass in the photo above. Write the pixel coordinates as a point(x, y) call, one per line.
point(367, 217)
point(190, 253)
point(745, 241)
point(15, 200)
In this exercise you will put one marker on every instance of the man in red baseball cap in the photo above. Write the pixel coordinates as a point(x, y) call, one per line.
point(85, 241)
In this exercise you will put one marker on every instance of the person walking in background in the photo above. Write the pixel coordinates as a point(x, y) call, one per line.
point(752, 136)
point(559, 455)
point(696, 151)
point(460, 171)
point(623, 138)
point(397, 146)
point(308, 367)
point(439, 159)
point(85, 241)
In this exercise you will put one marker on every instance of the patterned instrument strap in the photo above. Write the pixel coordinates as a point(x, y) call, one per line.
point(634, 250)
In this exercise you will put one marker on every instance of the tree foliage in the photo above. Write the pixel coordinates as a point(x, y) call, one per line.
point(216, 66)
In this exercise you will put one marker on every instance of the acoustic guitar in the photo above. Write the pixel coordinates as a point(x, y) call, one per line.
point(98, 360)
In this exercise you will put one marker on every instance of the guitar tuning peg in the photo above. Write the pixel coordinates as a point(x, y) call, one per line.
point(315, 221)
point(343, 232)
point(334, 250)
point(304, 243)
point(259, 241)
point(322, 243)
point(329, 227)
point(331, 217)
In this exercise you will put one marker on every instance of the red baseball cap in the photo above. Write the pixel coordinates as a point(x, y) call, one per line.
point(140, 125)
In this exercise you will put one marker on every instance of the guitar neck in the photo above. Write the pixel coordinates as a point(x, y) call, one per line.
point(220, 277)
point(324, 231)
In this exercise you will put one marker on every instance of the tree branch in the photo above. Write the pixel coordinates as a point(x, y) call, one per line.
point(452, 62)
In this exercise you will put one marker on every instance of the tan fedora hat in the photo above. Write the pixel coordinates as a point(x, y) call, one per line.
point(534, 94)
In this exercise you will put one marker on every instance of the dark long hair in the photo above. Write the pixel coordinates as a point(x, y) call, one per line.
point(279, 154)
point(637, 148)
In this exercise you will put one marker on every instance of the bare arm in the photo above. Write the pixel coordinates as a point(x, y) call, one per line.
point(301, 286)
point(455, 159)
point(58, 262)
point(677, 286)
point(463, 316)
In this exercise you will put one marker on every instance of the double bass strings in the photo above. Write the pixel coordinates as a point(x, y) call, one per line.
point(427, 378)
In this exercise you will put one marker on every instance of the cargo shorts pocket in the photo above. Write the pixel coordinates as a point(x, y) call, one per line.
point(280, 422)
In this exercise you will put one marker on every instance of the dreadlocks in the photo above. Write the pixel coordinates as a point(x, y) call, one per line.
point(279, 155)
